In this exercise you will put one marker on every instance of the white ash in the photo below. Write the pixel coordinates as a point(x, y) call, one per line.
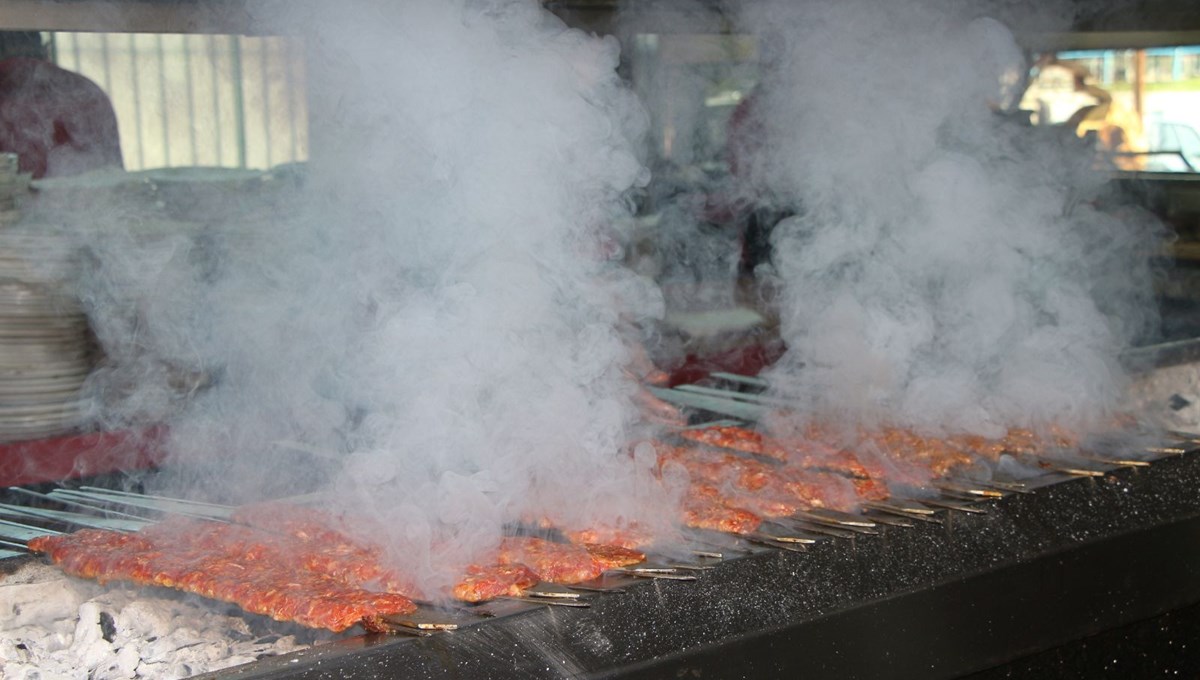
point(53, 627)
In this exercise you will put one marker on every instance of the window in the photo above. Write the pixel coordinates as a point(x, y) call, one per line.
point(197, 100)
point(1143, 106)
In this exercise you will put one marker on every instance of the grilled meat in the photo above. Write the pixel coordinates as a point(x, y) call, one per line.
point(490, 582)
point(224, 562)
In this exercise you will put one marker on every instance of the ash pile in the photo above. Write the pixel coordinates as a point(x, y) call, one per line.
point(55, 627)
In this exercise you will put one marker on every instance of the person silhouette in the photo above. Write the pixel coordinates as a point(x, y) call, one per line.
point(58, 122)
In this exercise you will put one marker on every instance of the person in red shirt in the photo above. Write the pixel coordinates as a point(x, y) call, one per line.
point(58, 122)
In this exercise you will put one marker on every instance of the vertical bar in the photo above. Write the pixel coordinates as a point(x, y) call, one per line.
point(107, 59)
point(264, 65)
point(1139, 84)
point(289, 84)
point(137, 102)
point(76, 53)
point(52, 47)
point(161, 56)
point(191, 99)
point(216, 102)
point(239, 99)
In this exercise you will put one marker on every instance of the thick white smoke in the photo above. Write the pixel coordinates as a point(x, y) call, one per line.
point(437, 314)
point(942, 266)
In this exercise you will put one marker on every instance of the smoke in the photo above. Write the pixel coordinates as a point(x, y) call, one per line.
point(431, 330)
point(942, 266)
point(681, 63)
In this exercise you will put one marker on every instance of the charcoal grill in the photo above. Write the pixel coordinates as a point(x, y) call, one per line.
point(939, 599)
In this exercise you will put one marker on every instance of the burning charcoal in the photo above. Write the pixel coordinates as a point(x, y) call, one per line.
point(108, 628)
point(89, 641)
point(59, 633)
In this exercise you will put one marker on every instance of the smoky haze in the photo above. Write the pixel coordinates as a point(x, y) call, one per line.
point(942, 265)
point(431, 331)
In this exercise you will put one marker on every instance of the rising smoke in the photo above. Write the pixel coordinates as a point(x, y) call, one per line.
point(431, 330)
point(437, 317)
point(942, 266)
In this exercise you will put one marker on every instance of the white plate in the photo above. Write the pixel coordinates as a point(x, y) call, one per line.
point(25, 332)
point(47, 321)
point(41, 390)
point(65, 372)
point(43, 360)
point(63, 396)
point(52, 410)
point(14, 385)
point(57, 369)
point(37, 433)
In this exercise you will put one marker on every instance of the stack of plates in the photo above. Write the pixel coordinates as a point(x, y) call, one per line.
point(42, 258)
point(45, 346)
point(13, 187)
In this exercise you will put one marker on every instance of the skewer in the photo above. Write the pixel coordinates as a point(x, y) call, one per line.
point(1066, 466)
point(14, 544)
point(784, 534)
point(688, 566)
point(666, 573)
point(588, 588)
point(747, 380)
point(729, 407)
point(431, 619)
point(1115, 462)
point(725, 422)
point(947, 503)
point(133, 500)
point(902, 521)
point(1189, 437)
point(967, 489)
point(406, 630)
point(841, 518)
point(24, 532)
point(899, 504)
point(552, 601)
point(5, 554)
point(145, 504)
point(1012, 487)
point(72, 518)
point(736, 396)
point(1165, 451)
point(829, 529)
point(550, 590)
point(72, 503)
point(215, 507)
point(771, 542)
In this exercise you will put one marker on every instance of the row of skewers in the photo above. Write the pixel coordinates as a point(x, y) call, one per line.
point(297, 564)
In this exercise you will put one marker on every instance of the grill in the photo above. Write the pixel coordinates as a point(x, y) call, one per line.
point(937, 600)
point(939, 586)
